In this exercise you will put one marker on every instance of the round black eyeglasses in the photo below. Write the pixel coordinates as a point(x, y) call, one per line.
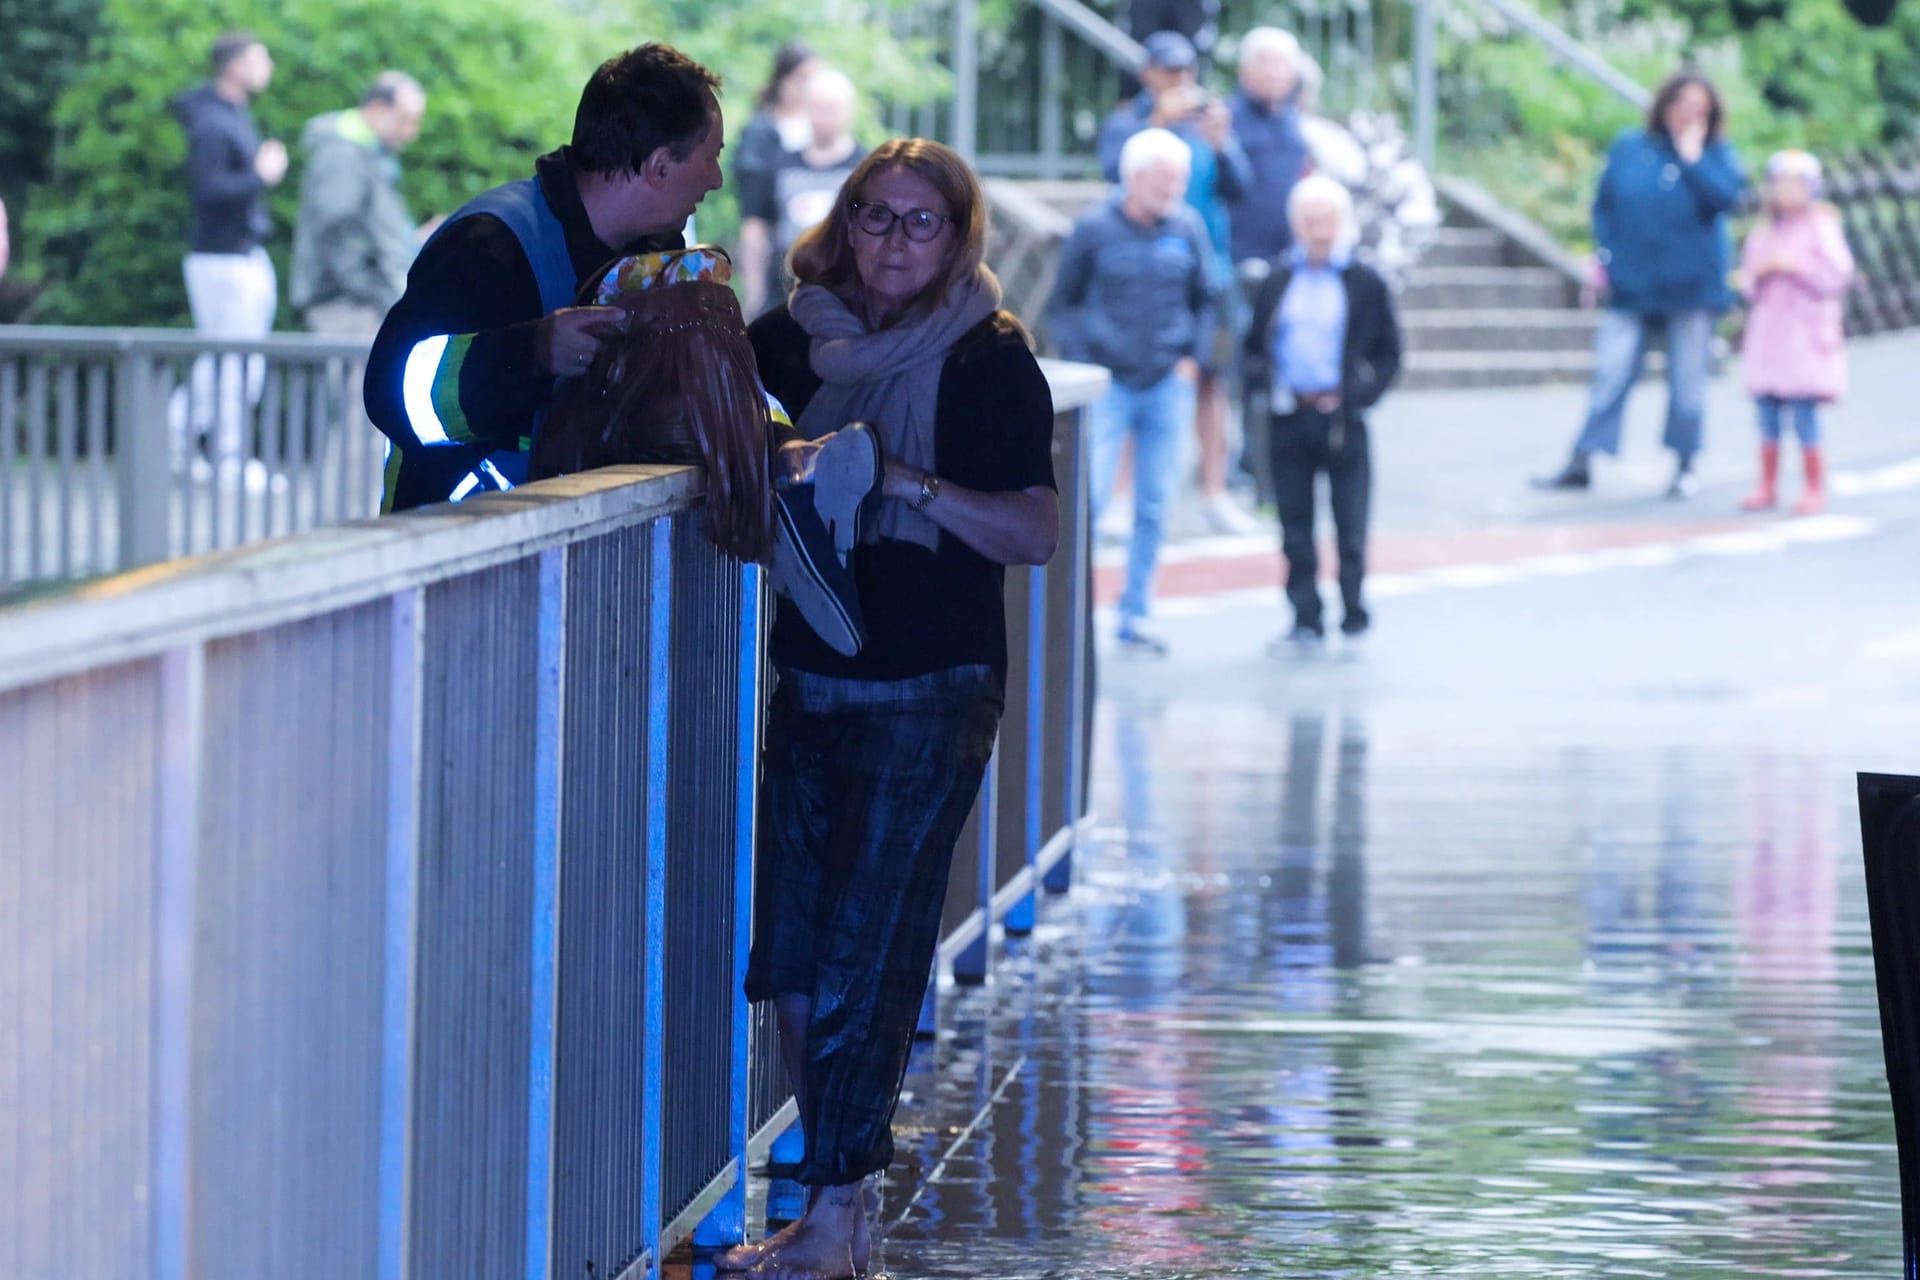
point(920, 225)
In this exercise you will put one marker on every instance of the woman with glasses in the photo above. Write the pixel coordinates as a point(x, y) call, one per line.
point(873, 761)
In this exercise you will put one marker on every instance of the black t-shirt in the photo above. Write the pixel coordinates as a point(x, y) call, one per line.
point(798, 194)
point(930, 611)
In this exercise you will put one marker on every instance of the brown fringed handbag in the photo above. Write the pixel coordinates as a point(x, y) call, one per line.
point(681, 386)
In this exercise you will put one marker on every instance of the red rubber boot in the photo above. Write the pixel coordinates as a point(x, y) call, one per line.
point(1814, 500)
point(1767, 495)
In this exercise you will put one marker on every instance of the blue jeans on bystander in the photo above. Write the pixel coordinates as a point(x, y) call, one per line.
point(1159, 418)
point(1619, 350)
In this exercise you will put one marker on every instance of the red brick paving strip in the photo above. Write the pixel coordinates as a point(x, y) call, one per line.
point(1410, 552)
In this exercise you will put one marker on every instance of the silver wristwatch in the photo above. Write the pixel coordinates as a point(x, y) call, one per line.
point(929, 490)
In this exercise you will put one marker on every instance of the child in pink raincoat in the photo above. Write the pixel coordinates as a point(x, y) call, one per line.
point(1795, 270)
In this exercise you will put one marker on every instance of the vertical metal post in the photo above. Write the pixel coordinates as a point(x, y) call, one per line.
point(140, 449)
point(1023, 915)
point(970, 966)
point(654, 953)
point(403, 836)
point(1077, 627)
point(183, 676)
point(1425, 95)
point(1053, 88)
point(726, 1224)
point(966, 77)
point(543, 1025)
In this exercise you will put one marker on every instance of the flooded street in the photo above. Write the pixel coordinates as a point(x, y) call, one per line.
point(1531, 941)
point(1339, 995)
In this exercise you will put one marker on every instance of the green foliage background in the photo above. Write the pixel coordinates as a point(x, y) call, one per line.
point(90, 156)
point(1804, 74)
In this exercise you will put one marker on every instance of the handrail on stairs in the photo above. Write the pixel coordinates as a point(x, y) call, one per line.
point(1557, 40)
point(1121, 49)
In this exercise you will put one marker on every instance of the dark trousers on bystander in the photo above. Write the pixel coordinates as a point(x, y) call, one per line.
point(1303, 444)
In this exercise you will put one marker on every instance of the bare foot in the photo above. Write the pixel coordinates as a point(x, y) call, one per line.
point(831, 1243)
point(750, 1257)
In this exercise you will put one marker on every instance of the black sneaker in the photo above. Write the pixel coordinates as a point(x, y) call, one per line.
point(1575, 475)
point(846, 483)
point(1685, 484)
point(1299, 642)
point(817, 525)
point(807, 572)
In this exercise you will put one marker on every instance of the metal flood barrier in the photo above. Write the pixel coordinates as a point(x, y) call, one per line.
point(126, 447)
point(1890, 840)
point(375, 900)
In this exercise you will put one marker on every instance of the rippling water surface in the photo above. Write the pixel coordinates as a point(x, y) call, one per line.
point(1342, 994)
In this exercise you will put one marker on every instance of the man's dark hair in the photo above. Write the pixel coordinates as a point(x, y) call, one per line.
point(644, 99)
point(229, 46)
point(388, 86)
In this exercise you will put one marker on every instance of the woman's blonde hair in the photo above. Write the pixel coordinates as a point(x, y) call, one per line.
point(823, 254)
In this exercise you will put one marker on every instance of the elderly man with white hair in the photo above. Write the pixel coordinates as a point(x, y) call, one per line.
point(1266, 120)
point(1325, 340)
point(1135, 292)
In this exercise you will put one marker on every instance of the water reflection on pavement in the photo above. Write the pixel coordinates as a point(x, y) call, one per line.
point(1346, 994)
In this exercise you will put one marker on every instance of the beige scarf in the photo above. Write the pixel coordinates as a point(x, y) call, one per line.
point(888, 378)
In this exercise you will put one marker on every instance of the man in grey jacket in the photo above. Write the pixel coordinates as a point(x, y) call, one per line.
point(1135, 293)
point(355, 239)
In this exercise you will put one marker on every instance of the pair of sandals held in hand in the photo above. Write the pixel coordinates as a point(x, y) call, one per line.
point(682, 386)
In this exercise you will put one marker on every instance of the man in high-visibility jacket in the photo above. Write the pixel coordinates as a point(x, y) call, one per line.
point(466, 362)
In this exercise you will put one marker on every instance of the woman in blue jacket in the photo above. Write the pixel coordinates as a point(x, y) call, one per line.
point(1660, 221)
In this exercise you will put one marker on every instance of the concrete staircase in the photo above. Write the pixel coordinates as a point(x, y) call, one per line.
point(1494, 301)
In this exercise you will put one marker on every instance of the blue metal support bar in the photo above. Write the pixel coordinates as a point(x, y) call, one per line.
point(403, 835)
point(543, 981)
point(726, 1223)
point(659, 735)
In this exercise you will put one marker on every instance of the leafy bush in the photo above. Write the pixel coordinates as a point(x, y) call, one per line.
point(109, 214)
point(108, 228)
point(1535, 134)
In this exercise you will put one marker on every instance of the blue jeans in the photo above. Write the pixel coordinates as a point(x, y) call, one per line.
point(1619, 349)
point(1159, 418)
point(1804, 414)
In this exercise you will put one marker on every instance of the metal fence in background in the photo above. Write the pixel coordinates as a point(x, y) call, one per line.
point(1878, 195)
point(376, 900)
point(1029, 95)
point(121, 448)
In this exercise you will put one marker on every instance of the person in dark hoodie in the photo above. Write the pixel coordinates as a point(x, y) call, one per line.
point(230, 282)
point(467, 361)
point(355, 239)
point(231, 288)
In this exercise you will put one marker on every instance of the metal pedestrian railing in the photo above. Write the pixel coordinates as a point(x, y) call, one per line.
point(376, 899)
point(125, 447)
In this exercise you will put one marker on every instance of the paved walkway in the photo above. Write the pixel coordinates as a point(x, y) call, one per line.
point(1451, 470)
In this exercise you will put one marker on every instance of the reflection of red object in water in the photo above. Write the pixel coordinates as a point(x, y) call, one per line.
point(1148, 1143)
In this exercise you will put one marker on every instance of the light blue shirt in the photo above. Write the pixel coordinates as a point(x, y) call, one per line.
point(1310, 336)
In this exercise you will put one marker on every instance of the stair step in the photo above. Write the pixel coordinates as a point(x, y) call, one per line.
point(1465, 247)
point(1505, 288)
point(1430, 370)
point(1500, 330)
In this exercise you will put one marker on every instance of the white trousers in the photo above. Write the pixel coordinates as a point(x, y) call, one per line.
point(232, 295)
